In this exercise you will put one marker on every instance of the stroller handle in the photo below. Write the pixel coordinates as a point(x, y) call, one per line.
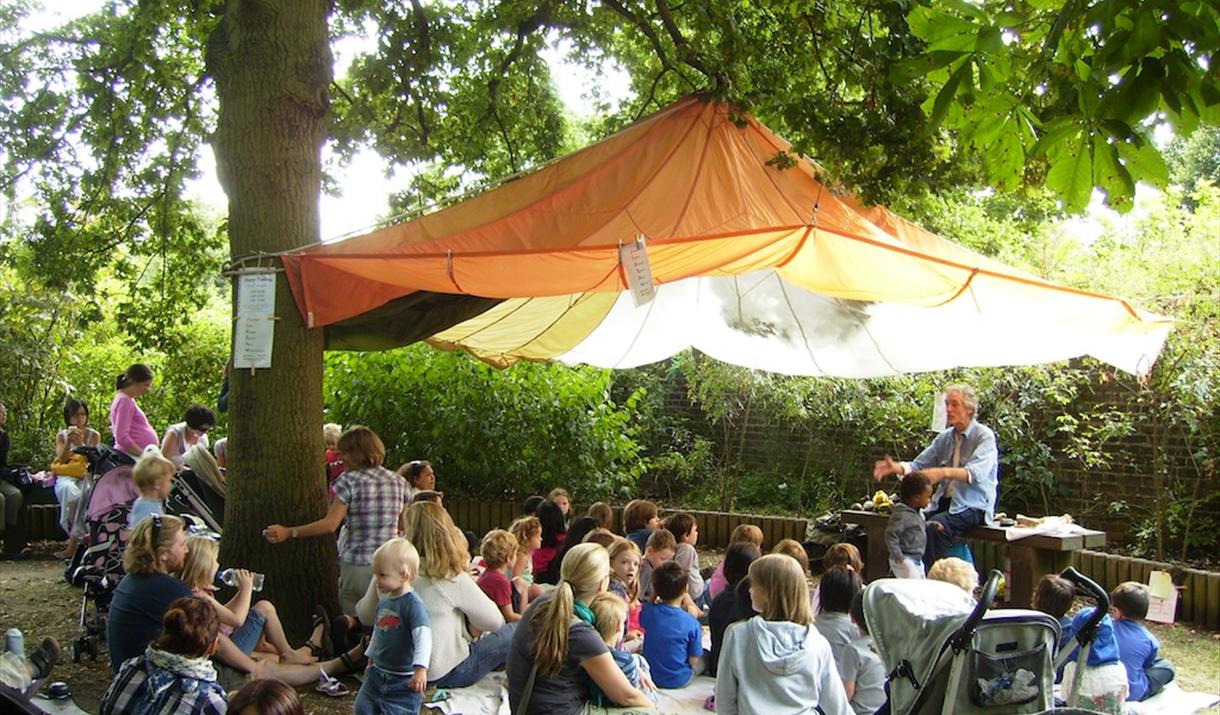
point(1089, 629)
point(961, 639)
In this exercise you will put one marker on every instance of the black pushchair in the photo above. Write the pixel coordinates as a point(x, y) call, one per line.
point(945, 653)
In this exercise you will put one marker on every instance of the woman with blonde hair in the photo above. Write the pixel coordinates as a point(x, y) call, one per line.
point(777, 662)
point(453, 600)
point(557, 649)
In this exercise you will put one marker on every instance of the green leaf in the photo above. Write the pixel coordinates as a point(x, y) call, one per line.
point(1144, 163)
point(1005, 159)
point(906, 70)
point(1071, 173)
point(1110, 175)
point(990, 40)
point(945, 97)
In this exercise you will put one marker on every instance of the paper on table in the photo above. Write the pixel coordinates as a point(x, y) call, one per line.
point(1160, 584)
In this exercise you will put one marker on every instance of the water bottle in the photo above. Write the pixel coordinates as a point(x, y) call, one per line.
point(14, 642)
point(229, 578)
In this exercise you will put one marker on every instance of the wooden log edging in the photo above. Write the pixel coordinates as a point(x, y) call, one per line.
point(1198, 590)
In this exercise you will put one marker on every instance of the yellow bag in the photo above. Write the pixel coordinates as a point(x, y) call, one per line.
point(76, 467)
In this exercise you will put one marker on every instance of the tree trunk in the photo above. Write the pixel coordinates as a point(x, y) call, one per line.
point(272, 67)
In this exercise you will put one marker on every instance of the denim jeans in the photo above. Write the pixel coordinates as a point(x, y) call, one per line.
point(246, 636)
point(940, 541)
point(486, 654)
point(387, 694)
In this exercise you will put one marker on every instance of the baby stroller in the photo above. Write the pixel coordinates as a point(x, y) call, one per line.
point(98, 573)
point(107, 485)
point(947, 654)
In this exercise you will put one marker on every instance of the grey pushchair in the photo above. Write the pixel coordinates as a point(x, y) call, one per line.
point(945, 653)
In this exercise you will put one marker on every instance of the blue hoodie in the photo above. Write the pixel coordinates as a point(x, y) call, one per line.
point(777, 667)
point(1105, 646)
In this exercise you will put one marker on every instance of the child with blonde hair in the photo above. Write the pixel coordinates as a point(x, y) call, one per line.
point(528, 532)
point(625, 559)
point(153, 476)
point(252, 628)
point(777, 661)
point(402, 635)
point(610, 617)
point(499, 547)
point(742, 534)
point(957, 572)
point(331, 433)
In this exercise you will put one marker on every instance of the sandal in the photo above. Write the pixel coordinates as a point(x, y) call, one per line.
point(325, 647)
point(332, 687)
point(45, 658)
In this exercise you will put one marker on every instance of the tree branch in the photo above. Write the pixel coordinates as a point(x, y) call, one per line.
point(653, 39)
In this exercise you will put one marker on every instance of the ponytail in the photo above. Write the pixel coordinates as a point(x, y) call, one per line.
point(138, 372)
point(551, 642)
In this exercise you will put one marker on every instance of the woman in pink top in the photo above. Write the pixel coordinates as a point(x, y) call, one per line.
point(130, 427)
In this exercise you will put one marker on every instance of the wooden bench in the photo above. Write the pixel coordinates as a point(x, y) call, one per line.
point(1029, 558)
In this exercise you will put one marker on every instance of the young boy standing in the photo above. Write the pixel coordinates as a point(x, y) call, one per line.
point(673, 639)
point(153, 476)
point(906, 535)
point(1139, 650)
point(402, 636)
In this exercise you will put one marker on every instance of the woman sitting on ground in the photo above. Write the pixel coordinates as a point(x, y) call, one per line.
point(558, 649)
point(70, 468)
point(174, 675)
point(132, 433)
point(454, 601)
point(372, 499)
point(191, 431)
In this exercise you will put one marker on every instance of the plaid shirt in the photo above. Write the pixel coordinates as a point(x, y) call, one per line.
point(166, 684)
point(375, 497)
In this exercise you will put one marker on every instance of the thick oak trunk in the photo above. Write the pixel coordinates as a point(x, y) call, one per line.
point(272, 66)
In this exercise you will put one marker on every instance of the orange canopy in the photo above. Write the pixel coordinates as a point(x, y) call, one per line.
point(698, 181)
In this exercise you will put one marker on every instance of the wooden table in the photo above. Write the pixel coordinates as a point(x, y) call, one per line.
point(1029, 558)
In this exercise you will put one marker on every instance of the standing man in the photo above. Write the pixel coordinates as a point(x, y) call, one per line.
point(962, 463)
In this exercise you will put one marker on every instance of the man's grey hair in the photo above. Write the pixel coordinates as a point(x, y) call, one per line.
point(969, 397)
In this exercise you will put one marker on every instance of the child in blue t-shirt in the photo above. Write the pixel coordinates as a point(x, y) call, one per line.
point(153, 476)
point(673, 638)
point(402, 635)
point(1139, 650)
point(610, 620)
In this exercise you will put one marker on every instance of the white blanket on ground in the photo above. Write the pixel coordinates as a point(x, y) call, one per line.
point(1174, 701)
point(489, 696)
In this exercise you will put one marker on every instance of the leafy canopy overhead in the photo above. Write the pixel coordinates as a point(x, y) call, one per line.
point(105, 118)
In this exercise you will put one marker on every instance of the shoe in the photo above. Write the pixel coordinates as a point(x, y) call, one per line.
point(45, 658)
point(324, 649)
point(332, 686)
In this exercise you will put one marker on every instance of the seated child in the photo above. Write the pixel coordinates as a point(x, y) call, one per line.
point(906, 534)
point(863, 672)
point(1139, 650)
point(604, 515)
point(331, 433)
point(743, 533)
point(840, 554)
point(724, 610)
point(640, 518)
point(685, 529)
point(673, 639)
point(610, 615)
point(838, 587)
point(153, 476)
point(1103, 682)
point(554, 532)
point(776, 662)
point(528, 532)
point(252, 628)
point(560, 498)
point(957, 572)
point(660, 548)
point(529, 507)
point(402, 636)
point(499, 546)
point(624, 582)
point(1053, 596)
point(602, 537)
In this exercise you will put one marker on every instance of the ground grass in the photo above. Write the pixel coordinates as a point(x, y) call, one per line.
point(35, 598)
